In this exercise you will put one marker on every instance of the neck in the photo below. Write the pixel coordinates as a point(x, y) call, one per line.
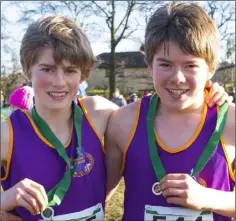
point(56, 120)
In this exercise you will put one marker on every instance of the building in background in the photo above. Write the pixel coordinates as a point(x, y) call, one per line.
point(133, 75)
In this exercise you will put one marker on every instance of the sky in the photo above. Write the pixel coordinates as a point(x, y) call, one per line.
point(99, 43)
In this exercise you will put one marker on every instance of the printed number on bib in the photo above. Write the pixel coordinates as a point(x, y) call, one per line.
point(90, 214)
point(159, 213)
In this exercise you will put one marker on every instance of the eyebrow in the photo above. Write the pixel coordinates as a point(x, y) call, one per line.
point(163, 60)
point(48, 65)
point(54, 66)
point(168, 61)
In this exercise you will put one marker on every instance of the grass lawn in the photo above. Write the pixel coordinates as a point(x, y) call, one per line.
point(114, 207)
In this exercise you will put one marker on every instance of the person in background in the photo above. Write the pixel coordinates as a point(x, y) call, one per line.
point(133, 97)
point(118, 99)
point(232, 93)
point(22, 98)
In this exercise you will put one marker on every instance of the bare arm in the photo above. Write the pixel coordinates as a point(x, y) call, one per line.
point(5, 137)
point(219, 201)
point(26, 193)
point(224, 202)
point(113, 157)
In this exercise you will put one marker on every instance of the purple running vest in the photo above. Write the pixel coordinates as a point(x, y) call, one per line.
point(139, 175)
point(32, 158)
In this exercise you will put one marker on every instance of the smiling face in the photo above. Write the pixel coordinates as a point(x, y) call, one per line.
point(55, 85)
point(179, 78)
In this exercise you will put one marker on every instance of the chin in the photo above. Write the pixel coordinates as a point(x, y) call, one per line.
point(177, 105)
point(57, 106)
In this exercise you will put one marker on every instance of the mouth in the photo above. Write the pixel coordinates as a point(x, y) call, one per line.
point(57, 95)
point(177, 92)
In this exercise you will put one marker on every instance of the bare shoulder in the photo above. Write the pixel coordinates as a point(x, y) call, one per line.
point(5, 139)
point(98, 103)
point(99, 110)
point(122, 123)
point(229, 134)
point(126, 114)
point(229, 130)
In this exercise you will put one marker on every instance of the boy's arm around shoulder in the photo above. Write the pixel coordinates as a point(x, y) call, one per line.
point(116, 137)
point(99, 104)
point(99, 110)
point(113, 154)
point(229, 130)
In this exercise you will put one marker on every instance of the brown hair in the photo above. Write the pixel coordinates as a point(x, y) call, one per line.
point(189, 26)
point(67, 40)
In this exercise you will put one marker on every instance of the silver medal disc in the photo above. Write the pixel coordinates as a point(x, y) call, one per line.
point(156, 189)
point(48, 213)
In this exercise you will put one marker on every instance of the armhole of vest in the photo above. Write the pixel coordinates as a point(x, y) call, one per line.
point(230, 168)
point(10, 148)
point(90, 123)
point(135, 124)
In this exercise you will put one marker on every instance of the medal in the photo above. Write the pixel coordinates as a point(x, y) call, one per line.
point(209, 149)
point(48, 213)
point(57, 193)
point(156, 189)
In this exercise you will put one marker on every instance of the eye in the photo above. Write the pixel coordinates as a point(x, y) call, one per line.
point(164, 65)
point(71, 71)
point(46, 70)
point(192, 66)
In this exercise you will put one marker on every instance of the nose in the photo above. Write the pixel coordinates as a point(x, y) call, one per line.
point(59, 79)
point(178, 76)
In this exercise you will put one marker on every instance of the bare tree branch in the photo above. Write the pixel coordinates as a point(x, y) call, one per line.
point(131, 5)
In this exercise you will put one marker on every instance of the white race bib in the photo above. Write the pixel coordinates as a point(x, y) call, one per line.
point(160, 213)
point(90, 214)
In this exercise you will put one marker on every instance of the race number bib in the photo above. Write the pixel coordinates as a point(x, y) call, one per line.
point(159, 213)
point(90, 214)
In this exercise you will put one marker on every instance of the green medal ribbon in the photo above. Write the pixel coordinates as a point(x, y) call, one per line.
point(57, 193)
point(207, 152)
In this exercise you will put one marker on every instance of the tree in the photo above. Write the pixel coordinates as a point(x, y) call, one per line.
point(10, 83)
point(120, 24)
point(9, 59)
point(223, 13)
point(117, 32)
point(120, 28)
point(226, 75)
point(230, 49)
point(122, 19)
